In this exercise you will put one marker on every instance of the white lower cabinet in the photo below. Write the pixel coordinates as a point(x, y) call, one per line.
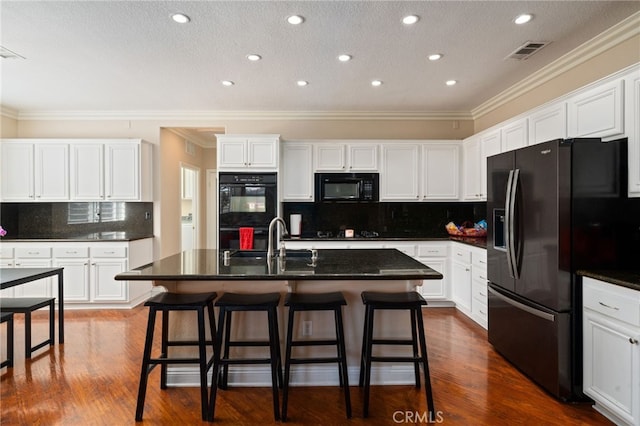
point(479, 312)
point(461, 277)
point(435, 256)
point(611, 350)
point(89, 271)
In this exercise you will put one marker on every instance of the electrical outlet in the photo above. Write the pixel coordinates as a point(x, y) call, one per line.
point(307, 328)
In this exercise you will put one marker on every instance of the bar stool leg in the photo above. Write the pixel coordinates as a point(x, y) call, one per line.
point(342, 354)
point(278, 353)
point(27, 334)
point(364, 345)
point(287, 365)
point(202, 346)
point(164, 348)
point(224, 373)
point(367, 362)
point(217, 347)
point(52, 328)
point(275, 364)
point(414, 339)
point(144, 373)
point(425, 361)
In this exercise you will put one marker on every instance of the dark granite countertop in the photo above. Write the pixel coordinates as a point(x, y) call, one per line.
point(476, 242)
point(93, 237)
point(624, 278)
point(347, 264)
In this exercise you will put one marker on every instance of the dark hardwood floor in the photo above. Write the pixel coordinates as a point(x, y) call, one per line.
point(93, 380)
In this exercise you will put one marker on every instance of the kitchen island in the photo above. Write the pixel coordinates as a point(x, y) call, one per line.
point(349, 271)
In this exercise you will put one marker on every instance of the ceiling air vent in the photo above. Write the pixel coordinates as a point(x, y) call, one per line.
point(8, 54)
point(526, 50)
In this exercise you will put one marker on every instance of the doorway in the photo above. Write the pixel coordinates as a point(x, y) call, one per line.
point(189, 201)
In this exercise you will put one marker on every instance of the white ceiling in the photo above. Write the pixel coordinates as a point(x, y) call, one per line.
point(129, 56)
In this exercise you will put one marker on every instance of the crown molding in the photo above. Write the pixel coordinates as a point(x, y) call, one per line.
point(243, 115)
point(611, 37)
point(9, 112)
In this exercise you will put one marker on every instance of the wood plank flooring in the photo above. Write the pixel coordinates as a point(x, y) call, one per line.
point(93, 380)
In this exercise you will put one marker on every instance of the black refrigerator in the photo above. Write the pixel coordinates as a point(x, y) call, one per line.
point(553, 208)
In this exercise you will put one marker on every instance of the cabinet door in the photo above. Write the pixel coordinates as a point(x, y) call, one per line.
point(330, 157)
point(548, 124)
point(297, 172)
point(435, 289)
point(87, 171)
point(76, 279)
point(232, 153)
point(632, 122)
point(461, 286)
point(17, 171)
point(471, 154)
point(51, 172)
point(104, 287)
point(122, 171)
point(611, 363)
point(490, 144)
point(400, 174)
point(515, 135)
point(363, 157)
point(262, 153)
point(440, 165)
point(597, 112)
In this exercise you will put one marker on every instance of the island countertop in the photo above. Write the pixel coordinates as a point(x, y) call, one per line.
point(331, 264)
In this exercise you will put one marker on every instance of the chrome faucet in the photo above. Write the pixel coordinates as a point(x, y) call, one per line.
point(270, 249)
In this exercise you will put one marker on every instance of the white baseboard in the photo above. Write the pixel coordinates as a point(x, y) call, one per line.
point(321, 375)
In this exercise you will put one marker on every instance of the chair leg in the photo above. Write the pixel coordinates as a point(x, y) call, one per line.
point(414, 344)
point(202, 346)
point(425, 362)
point(144, 371)
point(367, 362)
point(217, 346)
point(164, 348)
point(287, 365)
point(342, 354)
point(275, 370)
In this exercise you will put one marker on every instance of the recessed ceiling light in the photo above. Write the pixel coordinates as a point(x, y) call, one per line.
point(410, 20)
point(344, 58)
point(376, 83)
point(295, 19)
point(253, 57)
point(523, 19)
point(435, 57)
point(180, 18)
point(451, 82)
point(227, 83)
point(302, 83)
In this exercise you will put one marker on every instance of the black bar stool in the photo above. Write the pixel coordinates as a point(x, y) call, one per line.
point(413, 302)
point(167, 302)
point(232, 302)
point(316, 302)
point(26, 305)
point(8, 318)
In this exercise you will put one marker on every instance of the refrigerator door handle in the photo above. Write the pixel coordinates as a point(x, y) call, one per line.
point(507, 223)
point(528, 309)
point(512, 234)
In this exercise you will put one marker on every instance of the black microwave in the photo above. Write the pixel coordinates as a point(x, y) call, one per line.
point(347, 187)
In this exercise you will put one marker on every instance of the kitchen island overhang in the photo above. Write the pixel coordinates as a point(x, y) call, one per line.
point(350, 271)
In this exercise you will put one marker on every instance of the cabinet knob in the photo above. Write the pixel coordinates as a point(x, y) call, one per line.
point(633, 341)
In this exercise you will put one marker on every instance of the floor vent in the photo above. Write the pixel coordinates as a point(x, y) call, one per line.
point(526, 50)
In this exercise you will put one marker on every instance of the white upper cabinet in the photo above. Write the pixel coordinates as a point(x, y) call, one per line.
point(441, 171)
point(632, 120)
point(238, 152)
point(351, 157)
point(113, 170)
point(490, 144)
point(400, 174)
point(515, 135)
point(548, 123)
point(297, 172)
point(597, 112)
point(471, 159)
point(34, 171)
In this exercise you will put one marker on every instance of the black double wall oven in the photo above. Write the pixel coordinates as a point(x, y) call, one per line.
point(246, 200)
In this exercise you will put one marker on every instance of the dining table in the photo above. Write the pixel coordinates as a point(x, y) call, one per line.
point(11, 277)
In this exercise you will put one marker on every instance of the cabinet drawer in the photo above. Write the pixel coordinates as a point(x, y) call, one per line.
point(479, 258)
point(35, 252)
point(461, 254)
point(108, 252)
point(71, 252)
point(479, 309)
point(6, 253)
point(479, 291)
point(409, 250)
point(432, 251)
point(614, 301)
point(478, 273)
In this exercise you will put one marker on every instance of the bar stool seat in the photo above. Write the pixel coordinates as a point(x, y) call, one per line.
point(26, 305)
point(167, 302)
point(413, 302)
point(233, 302)
point(316, 302)
point(8, 318)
